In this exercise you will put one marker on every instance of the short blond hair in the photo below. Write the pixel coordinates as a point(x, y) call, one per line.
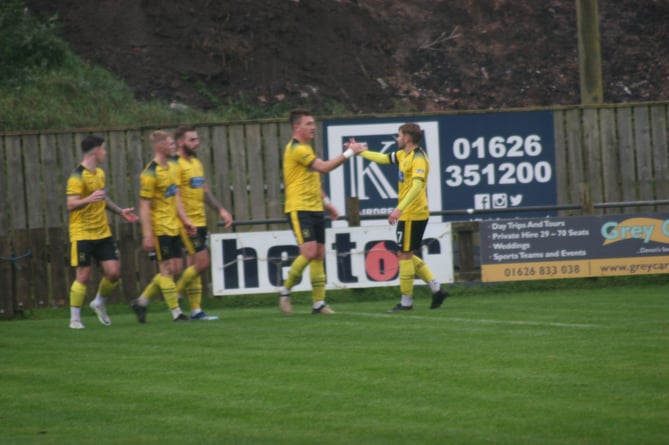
point(159, 136)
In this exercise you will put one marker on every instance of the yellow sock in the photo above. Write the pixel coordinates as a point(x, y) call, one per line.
point(422, 270)
point(77, 294)
point(295, 271)
point(407, 274)
point(169, 290)
point(186, 278)
point(152, 289)
point(194, 292)
point(317, 276)
point(106, 287)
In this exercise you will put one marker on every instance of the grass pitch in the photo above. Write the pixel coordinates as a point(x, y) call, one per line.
point(569, 366)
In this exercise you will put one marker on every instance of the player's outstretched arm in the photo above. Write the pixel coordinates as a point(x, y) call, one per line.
point(322, 166)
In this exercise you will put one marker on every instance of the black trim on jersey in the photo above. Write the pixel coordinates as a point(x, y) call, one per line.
point(79, 170)
point(153, 165)
point(421, 151)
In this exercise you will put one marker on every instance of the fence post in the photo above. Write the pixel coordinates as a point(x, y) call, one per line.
point(464, 232)
point(587, 206)
point(353, 211)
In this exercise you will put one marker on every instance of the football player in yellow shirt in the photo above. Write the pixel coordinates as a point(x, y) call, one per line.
point(412, 212)
point(305, 201)
point(90, 235)
point(162, 216)
point(195, 193)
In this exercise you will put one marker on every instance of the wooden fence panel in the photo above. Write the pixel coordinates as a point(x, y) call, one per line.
point(17, 184)
point(285, 135)
point(6, 268)
point(205, 151)
point(136, 161)
point(627, 161)
point(4, 197)
point(21, 241)
point(660, 142)
point(575, 155)
point(610, 158)
point(53, 182)
point(256, 174)
point(273, 154)
point(239, 173)
point(591, 145)
point(68, 162)
point(117, 181)
point(220, 179)
point(643, 153)
point(36, 197)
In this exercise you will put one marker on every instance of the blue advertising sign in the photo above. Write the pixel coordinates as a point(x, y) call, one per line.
point(477, 161)
point(498, 161)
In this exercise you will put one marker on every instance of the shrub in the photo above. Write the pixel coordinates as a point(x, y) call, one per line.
point(28, 44)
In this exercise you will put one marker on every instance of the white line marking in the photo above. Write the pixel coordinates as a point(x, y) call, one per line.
point(473, 320)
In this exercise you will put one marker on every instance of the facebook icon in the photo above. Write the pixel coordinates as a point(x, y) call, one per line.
point(482, 201)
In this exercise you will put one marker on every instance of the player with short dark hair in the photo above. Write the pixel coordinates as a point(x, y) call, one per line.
point(305, 201)
point(90, 235)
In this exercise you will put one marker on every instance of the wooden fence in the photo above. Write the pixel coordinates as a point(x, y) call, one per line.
point(620, 153)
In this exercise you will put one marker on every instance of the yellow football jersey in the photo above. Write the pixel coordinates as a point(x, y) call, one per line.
point(414, 164)
point(88, 222)
point(302, 186)
point(159, 184)
point(191, 185)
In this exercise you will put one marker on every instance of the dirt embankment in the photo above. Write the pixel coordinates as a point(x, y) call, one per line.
point(374, 55)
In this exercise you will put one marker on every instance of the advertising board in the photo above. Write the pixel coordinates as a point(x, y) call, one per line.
point(356, 257)
point(574, 247)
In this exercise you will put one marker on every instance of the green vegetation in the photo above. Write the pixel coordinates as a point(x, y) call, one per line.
point(43, 85)
point(568, 366)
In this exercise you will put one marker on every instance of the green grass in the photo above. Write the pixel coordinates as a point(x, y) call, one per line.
point(565, 366)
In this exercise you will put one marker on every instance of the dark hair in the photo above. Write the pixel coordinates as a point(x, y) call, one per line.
point(181, 131)
point(90, 142)
point(297, 114)
point(412, 130)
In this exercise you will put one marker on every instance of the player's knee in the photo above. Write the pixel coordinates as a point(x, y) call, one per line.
point(113, 276)
point(203, 264)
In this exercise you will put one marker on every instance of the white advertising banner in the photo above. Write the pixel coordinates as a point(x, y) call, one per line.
point(355, 257)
